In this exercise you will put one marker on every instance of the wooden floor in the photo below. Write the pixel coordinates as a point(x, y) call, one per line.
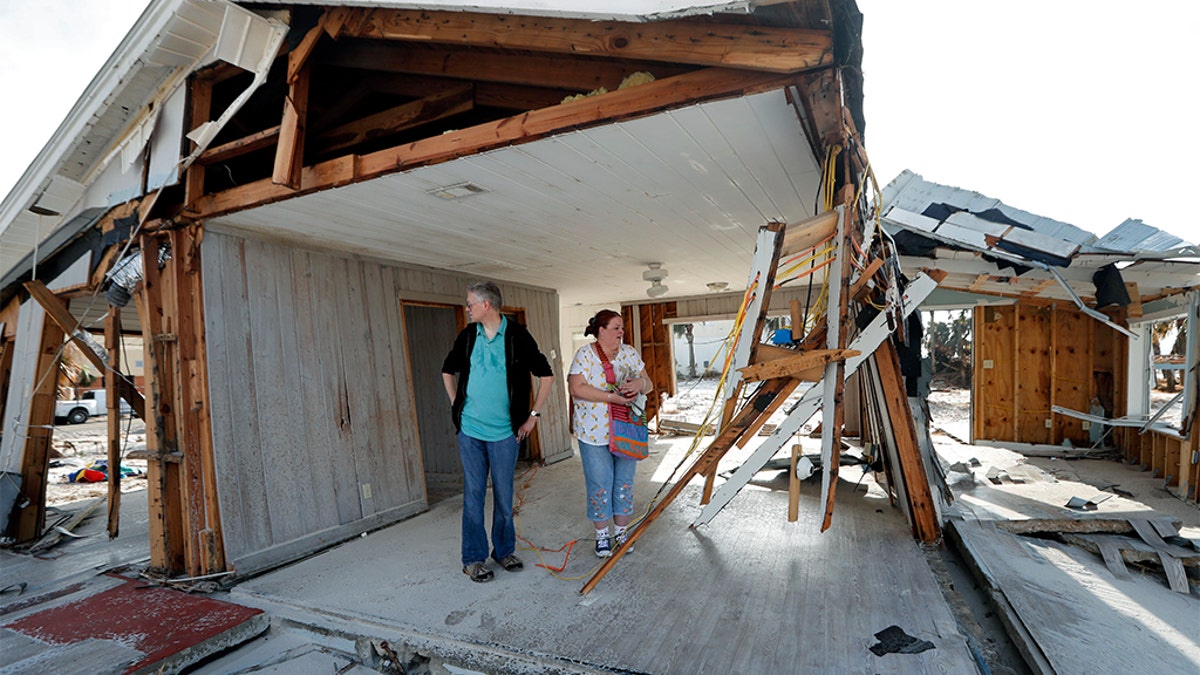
point(748, 593)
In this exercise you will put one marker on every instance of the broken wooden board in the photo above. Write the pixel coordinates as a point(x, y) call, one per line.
point(1067, 613)
point(807, 366)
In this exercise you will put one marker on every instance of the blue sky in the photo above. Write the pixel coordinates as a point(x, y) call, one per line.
point(1079, 111)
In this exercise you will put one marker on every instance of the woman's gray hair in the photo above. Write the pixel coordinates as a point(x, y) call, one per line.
point(488, 292)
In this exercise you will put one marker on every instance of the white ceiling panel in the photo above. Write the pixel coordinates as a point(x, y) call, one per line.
point(585, 211)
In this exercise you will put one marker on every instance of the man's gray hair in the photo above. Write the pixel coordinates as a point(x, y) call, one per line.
point(488, 292)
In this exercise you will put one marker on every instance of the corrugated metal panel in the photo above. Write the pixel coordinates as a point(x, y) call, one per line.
point(1134, 235)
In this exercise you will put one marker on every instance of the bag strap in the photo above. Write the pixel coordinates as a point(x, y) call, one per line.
point(616, 411)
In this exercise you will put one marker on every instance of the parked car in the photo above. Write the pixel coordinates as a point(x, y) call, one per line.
point(92, 403)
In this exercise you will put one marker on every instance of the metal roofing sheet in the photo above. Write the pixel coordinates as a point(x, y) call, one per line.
point(1134, 235)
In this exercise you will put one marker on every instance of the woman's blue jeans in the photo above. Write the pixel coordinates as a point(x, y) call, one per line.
point(479, 458)
point(609, 482)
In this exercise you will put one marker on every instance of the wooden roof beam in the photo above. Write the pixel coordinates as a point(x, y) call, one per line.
point(773, 49)
point(538, 70)
point(407, 116)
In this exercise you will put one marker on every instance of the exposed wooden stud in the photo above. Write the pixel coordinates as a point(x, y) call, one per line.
point(784, 50)
point(289, 154)
point(1135, 300)
point(112, 341)
point(797, 321)
point(793, 486)
point(199, 113)
point(242, 146)
point(529, 126)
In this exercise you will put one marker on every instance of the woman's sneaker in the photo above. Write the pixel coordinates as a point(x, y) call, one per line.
point(621, 541)
point(603, 547)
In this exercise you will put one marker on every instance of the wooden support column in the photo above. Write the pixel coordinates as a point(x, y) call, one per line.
point(163, 457)
point(908, 451)
point(203, 543)
point(112, 342)
point(28, 522)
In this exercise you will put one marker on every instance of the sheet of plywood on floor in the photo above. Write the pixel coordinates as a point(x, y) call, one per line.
point(1033, 365)
point(749, 593)
point(1072, 374)
point(1137, 625)
point(994, 377)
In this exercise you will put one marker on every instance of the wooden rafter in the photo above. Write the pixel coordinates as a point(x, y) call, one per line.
point(438, 106)
point(242, 146)
point(289, 154)
point(647, 98)
point(781, 50)
point(573, 73)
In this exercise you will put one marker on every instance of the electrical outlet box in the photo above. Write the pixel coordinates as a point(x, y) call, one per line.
point(366, 490)
point(1048, 423)
point(988, 364)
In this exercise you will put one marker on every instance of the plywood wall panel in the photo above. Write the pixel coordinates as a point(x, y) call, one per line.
point(1072, 373)
point(995, 373)
point(1033, 369)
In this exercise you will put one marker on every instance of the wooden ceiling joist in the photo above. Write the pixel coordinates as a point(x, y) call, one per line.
point(558, 71)
point(438, 106)
point(697, 85)
point(780, 50)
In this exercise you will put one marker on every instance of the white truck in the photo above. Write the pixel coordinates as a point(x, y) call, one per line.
point(89, 404)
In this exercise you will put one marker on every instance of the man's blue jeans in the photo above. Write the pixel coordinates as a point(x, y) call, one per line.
point(479, 458)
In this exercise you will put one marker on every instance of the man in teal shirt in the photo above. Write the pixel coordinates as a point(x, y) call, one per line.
point(487, 377)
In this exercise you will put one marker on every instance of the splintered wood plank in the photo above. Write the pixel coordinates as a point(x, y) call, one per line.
point(806, 366)
point(679, 41)
point(242, 146)
point(35, 452)
point(289, 154)
point(808, 233)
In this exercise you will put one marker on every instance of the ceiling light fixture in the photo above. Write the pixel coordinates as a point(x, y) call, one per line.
point(655, 276)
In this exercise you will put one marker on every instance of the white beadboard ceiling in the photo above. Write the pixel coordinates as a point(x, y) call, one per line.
point(585, 211)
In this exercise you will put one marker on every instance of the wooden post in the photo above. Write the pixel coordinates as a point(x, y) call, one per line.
point(289, 154)
point(794, 487)
point(112, 340)
point(162, 466)
point(200, 111)
point(35, 457)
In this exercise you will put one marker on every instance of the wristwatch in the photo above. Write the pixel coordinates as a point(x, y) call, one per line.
point(534, 413)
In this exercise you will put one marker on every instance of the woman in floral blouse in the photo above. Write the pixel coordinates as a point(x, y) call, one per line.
point(609, 477)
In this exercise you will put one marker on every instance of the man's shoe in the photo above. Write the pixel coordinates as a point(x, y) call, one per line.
point(511, 563)
point(478, 572)
point(603, 547)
